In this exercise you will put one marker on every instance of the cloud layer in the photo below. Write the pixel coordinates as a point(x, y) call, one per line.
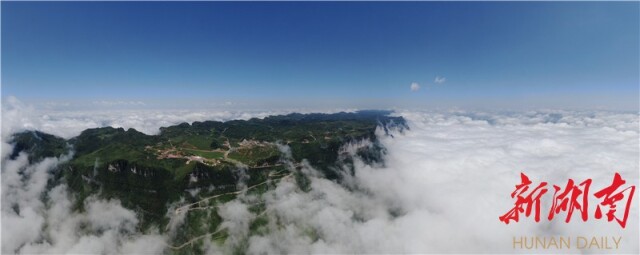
point(445, 182)
point(441, 189)
point(18, 116)
point(38, 219)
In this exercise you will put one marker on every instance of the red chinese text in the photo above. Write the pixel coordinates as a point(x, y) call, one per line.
point(571, 198)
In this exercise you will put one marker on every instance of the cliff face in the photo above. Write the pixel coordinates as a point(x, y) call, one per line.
point(148, 172)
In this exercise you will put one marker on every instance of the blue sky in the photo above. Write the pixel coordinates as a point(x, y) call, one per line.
point(546, 54)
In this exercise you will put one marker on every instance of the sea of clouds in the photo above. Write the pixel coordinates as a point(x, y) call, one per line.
point(441, 189)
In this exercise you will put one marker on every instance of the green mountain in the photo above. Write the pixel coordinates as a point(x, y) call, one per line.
point(205, 163)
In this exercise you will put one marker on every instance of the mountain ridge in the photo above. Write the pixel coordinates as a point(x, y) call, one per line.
point(147, 173)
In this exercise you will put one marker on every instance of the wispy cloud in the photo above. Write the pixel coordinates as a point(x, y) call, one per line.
point(415, 86)
point(439, 80)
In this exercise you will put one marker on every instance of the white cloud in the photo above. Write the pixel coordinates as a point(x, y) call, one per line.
point(439, 80)
point(442, 187)
point(415, 86)
point(18, 116)
point(31, 225)
point(107, 103)
point(445, 182)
